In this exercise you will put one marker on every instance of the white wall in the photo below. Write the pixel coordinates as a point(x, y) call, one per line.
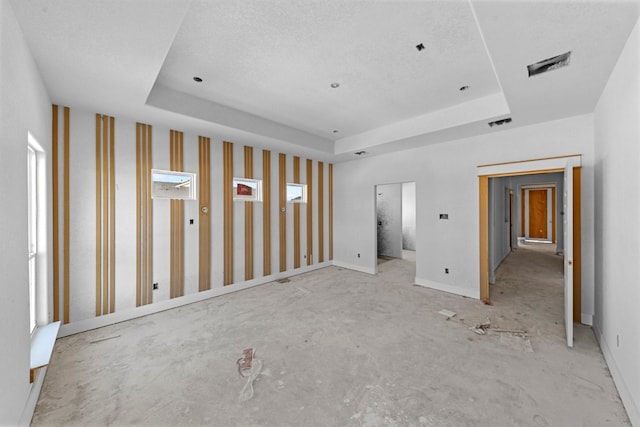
point(498, 224)
point(617, 231)
point(409, 216)
point(82, 237)
point(446, 182)
point(24, 107)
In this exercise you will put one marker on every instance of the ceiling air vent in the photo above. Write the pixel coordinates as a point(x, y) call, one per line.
point(500, 122)
point(549, 64)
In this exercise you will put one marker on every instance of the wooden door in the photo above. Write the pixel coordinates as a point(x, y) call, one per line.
point(538, 214)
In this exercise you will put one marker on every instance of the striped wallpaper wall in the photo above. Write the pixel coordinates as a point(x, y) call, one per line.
point(105, 215)
point(123, 271)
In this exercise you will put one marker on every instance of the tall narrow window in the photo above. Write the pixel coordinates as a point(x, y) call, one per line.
point(32, 233)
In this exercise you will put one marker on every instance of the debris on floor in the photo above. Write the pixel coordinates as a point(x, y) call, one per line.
point(248, 367)
point(447, 313)
point(481, 328)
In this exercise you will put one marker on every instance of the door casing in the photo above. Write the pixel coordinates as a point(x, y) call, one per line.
point(530, 167)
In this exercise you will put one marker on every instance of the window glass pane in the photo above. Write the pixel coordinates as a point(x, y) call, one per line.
point(32, 293)
point(247, 189)
point(296, 193)
point(173, 185)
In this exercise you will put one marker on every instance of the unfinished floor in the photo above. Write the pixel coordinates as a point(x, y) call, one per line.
point(342, 348)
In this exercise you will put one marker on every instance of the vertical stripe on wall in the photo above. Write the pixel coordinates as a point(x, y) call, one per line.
point(330, 211)
point(66, 224)
point(227, 184)
point(176, 163)
point(204, 227)
point(105, 215)
point(60, 309)
point(296, 216)
point(266, 212)
point(144, 216)
point(248, 218)
point(55, 207)
point(282, 205)
point(320, 212)
point(309, 211)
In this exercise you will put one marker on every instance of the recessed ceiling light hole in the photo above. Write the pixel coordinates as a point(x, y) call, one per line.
point(197, 79)
point(335, 85)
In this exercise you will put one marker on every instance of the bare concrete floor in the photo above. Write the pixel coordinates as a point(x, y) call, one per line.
point(341, 348)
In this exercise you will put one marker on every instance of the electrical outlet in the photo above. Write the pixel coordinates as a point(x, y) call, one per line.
point(446, 271)
point(155, 286)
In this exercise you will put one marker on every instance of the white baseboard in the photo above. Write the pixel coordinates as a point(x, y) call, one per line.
point(619, 380)
point(354, 267)
point(586, 319)
point(117, 317)
point(34, 394)
point(452, 289)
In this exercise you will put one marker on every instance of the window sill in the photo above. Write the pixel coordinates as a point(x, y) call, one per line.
point(42, 343)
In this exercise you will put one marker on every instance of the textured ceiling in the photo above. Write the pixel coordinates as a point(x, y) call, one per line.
point(277, 59)
point(267, 66)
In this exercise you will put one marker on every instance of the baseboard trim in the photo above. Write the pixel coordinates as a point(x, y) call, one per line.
point(586, 319)
point(452, 289)
point(618, 379)
point(145, 310)
point(32, 400)
point(354, 267)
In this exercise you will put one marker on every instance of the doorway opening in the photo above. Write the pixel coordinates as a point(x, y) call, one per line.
point(396, 228)
point(569, 166)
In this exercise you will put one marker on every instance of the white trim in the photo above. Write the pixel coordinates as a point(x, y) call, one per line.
point(530, 165)
point(586, 319)
point(32, 400)
point(156, 307)
point(452, 289)
point(355, 267)
point(623, 389)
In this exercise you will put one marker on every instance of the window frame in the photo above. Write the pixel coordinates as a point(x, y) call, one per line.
point(191, 179)
point(303, 196)
point(255, 197)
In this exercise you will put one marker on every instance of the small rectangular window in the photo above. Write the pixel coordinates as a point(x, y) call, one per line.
point(173, 185)
point(246, 189)
point(296, 193)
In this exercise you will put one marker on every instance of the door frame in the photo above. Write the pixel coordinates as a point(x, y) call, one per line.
point(530, 167)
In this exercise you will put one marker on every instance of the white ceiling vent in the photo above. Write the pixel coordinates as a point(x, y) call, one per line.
point(549, 64)
point(500, 122)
